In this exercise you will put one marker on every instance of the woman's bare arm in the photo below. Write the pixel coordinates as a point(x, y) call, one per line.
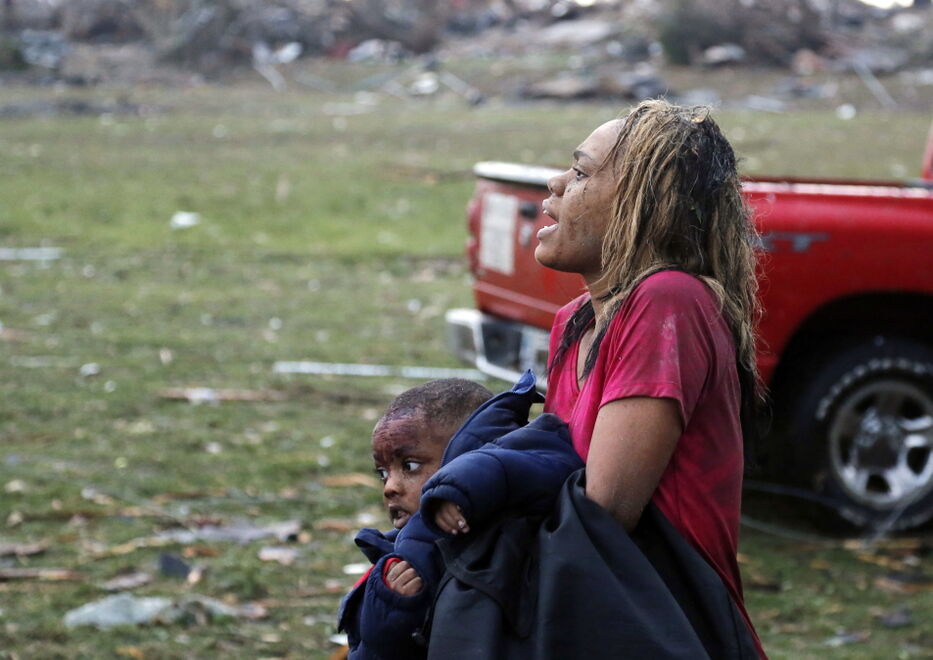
point(632, 443)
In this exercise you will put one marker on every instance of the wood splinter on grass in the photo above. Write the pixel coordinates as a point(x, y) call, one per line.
point(42, 574)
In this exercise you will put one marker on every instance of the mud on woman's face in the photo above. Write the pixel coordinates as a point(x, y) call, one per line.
point(580, 203)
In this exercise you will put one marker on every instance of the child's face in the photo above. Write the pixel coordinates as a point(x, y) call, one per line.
point(406, 454)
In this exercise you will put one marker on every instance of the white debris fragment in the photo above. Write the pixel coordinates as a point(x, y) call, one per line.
point(89, 369)
point(184, 220)
point(282, 555)
point(383, 370)
point(122, 609)
point(367, 518)
point(356, 569)
point(41, 362)
point(199, 395)
point(846, 111)
point(30, 254)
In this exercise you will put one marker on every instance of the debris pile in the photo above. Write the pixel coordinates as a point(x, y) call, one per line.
point(615, 48)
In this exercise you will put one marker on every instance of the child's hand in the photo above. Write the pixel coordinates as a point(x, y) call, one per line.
point(450, 519)
point(403, 579)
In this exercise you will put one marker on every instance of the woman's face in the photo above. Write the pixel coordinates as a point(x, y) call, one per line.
point(580, 202)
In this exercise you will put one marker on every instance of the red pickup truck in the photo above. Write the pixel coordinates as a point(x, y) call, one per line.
point(846, 283)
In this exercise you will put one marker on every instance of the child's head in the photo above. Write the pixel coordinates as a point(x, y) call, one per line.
point(409, 440)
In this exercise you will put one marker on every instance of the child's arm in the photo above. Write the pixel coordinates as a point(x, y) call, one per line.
point(523, 471)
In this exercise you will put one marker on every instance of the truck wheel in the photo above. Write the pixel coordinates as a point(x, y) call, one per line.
point(863, 428)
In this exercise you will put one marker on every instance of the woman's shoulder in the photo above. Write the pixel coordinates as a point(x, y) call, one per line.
point(567, 310)
point(674, 287)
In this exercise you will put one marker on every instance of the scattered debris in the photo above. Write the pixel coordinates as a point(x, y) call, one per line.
point(764, 104)
point(184, 220)
point(641, 83)
point(759, 582)
point(121, 609)
point(43, 48)
point(69, 108)
point(904, 583)
point(577, 33)
point(846, 638)
point(174, 566)
point(383, 370)
point(126, 609)
point(199, 551)
point(807, 63)
point(32, 253)
point(99, 551)
point(356, 569)
point(15, 486)
point(874, 85)
point(283, 555)
point(880, 60)
point(563, 87)
point(922, 77)
point(333, 525)
point(40, 574)
point(243, 532)
point(351, 480)
point(23, 549)
point(127, 581)
point(367, 518)
point(200, 395)
point(723, 54)
point(376, 50)
point(89, 369)
point(846, 111)
point(265, 61)
point(900, 617)
point(9, 334)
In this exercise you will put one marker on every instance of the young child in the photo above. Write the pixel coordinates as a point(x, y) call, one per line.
point(408, 443)
point(495, 462)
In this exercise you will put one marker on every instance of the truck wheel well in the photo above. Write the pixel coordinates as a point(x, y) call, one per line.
point(842, 323)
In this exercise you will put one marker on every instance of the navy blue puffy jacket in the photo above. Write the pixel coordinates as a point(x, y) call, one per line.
point(497, 461)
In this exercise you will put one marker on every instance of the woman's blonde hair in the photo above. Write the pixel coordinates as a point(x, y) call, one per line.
point(677, 206)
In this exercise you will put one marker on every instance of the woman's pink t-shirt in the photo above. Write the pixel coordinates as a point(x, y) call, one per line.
point(669, 340)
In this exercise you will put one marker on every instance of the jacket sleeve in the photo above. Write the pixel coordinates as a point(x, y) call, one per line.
point(415, 544)
point(387, 619)
point(522, 471)
point(380, 622)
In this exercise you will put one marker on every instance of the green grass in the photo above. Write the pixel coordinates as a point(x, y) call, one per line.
point(318, 230)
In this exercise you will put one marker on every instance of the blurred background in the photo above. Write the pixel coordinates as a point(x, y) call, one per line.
point(192, 191)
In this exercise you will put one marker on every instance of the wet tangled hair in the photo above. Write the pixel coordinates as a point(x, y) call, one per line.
point(677, 206)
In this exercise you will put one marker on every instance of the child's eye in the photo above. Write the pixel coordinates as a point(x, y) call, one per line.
point(411, 466)
point(382, 473)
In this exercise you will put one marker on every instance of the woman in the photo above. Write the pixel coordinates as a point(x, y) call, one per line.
point(654, 367)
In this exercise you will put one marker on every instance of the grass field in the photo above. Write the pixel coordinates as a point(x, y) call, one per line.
point(331, 229)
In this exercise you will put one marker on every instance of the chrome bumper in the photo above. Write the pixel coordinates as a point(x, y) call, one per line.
point(499, 348)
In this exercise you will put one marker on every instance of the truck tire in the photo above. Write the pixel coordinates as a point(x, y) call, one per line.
point(863, 430)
